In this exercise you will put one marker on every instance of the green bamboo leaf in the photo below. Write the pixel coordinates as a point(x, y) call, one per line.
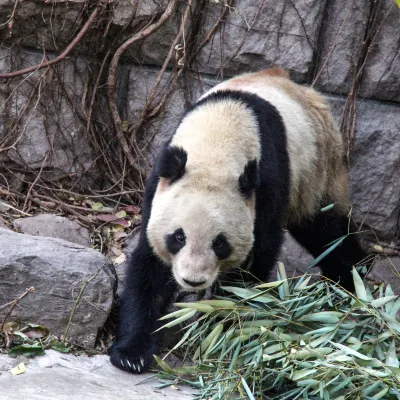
point(247, 389)
point(327, 251)
point(398, 3)
point(359, 286)
point(162, 364)
point(381, 394)
point(392, 322)
point(382, 301)
point(201, 307)
point(282, 273)
point(349, 351)
point(219, 303)
point(327, 317)
point(174, 314)
point(270, 284)
point(299, 375)
point(217, 332)
point(391, 356)
point(179, 320)
point(327, 208)
point(208, 340)
point(250, 294)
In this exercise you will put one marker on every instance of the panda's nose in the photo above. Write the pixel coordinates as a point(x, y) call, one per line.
point(193, 283)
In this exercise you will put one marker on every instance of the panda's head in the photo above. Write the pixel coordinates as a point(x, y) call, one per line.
point(199, 227)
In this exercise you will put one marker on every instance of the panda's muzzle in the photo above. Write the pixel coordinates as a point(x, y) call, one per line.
point(193, 283)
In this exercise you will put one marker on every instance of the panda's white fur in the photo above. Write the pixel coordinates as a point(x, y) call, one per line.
point(205, 201)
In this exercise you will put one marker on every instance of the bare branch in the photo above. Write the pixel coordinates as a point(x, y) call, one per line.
point(64, 54)
point(112, 78)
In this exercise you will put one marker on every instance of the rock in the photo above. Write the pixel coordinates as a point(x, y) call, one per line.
point(259, 34)
point(254, 35)
point(142, 80)
point(295, 258)
point(50, 128)
point(58, 270)
point(65, 376)
point(381, 77)
point(54, 226)
point(2, 223)
point(341, 40)
point(375, 164)
point(386, 269)
point(42, 25)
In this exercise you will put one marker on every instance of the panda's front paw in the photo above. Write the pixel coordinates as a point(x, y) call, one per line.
point(133, 358)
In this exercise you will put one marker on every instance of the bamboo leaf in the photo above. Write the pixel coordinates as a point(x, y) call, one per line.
point(201, 307)
point(328, 317)
point(359, 286)
point(179, 320)
point(391, 356)
point(327, 251)
point(349, 351)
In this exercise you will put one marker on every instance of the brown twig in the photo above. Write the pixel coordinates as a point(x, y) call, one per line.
point(112, 79)
point(34, 182)
point(64, 54)
point(78, 300)
point(13, 305)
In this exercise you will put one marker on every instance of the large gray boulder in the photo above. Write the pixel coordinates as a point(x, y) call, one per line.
point(58, 270)
point(54, 226)
point(381, 75)
point(375, 164)
point(50, 133)
point(254, 35)
point(341, 40)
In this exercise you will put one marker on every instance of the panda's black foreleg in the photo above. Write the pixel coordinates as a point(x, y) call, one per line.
point(148, 292)
point(318, 233)
point(265, 251)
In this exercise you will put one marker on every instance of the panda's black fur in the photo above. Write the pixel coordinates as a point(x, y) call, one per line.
point(150, 287)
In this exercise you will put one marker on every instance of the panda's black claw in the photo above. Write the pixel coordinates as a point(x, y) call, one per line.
point(142, 361)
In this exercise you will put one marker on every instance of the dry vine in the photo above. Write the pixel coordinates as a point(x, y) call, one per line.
point(117, 145)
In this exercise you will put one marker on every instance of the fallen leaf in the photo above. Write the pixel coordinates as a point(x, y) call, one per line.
point(10, 327)
point(116, 250)
point(174, 387)
point(97, 206)
point(120, 235)
point(113, 219)
point(19, 369)
point(34, 331)
point(132, 209)
point(120, 259)
point(121, 214)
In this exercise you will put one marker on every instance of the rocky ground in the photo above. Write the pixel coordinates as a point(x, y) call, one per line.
point(65, 376)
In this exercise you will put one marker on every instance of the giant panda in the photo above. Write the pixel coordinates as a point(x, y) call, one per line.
point(255, 154)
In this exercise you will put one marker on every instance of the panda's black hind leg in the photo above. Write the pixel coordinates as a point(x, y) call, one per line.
point(318, 233)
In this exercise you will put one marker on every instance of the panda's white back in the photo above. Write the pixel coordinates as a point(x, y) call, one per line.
point(305, 115)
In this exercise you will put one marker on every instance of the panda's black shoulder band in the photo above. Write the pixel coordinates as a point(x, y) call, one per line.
point(171, 163)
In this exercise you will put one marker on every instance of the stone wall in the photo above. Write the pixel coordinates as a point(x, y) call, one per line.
point(349, 50)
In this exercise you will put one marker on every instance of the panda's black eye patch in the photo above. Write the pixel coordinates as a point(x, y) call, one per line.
point(221, 247)
point(175, 241)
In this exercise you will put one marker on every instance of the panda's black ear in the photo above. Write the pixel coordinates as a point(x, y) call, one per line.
point(171, 163)
point(249, 180)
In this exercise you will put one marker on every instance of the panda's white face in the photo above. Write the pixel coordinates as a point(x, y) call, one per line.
point(200, 233)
